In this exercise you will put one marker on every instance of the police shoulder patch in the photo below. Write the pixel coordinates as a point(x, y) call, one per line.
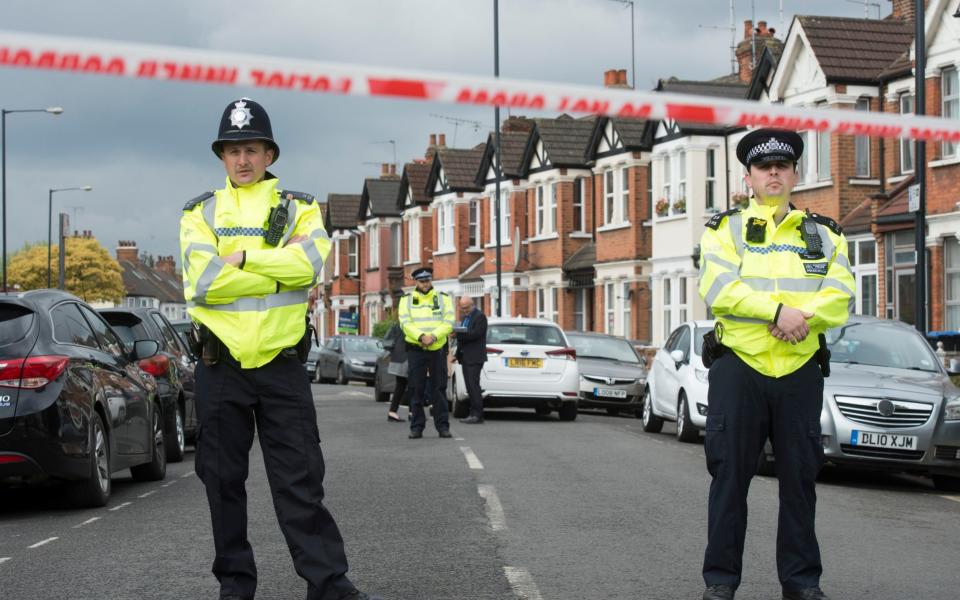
point(197, 200)
point(715, 220)
point(301, 196)
point(828, 223)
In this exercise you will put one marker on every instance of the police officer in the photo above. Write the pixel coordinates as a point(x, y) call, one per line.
point(775, 278)
point(427, 318)
point(251, 251)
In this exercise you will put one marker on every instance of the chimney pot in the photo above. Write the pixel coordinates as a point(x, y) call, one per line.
point(622, 77)
point(609, 77)
point(433, 139)
point(762, 28)
point(384, 168)
point(393, 169)
point(747, 29)
point(443, 140)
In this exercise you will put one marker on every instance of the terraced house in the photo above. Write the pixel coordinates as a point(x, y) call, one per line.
point(343, 262)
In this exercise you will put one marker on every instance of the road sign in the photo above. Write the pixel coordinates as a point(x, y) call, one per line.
point(913, 202)
point(348, 322)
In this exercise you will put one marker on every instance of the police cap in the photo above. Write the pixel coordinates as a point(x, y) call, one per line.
point(245, 120)
point(769, 145)
point(422, 274)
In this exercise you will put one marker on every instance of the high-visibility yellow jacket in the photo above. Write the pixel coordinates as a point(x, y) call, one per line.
point(259, 309)
point(426, 313)
point(744, 282)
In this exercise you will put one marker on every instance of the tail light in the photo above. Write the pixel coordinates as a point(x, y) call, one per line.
point(33, 372)
point(6, 459)
point(565, 353)
point(158, 365)
point(494, 351)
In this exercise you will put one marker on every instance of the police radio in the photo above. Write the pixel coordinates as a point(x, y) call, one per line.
point(277, 223)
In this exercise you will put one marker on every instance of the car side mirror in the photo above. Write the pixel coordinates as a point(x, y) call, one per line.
point(145, 349)
point(388, 344)
point(677, 356)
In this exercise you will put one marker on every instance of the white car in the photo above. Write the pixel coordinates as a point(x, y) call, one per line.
point(677, 383)
point(530, 364)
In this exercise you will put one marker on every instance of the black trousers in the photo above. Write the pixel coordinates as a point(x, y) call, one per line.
point(277, 398)
point(471, 379)
point(419, 362)
point(745, 408)
point(398, 393)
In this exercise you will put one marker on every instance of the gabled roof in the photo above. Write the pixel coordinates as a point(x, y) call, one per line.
point(896, 209)
point(765, 66)
point(379, 198)
point(342, 211)
point(858, 220)
point(633, 134)
point(566, 141)
point(719, 89)
point(459, 169)
point(414, 179)
point(856, 50)
point(140, 280)
point(512, 146)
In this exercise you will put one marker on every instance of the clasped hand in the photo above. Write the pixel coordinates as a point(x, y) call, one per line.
point(427, 339)
point(791, 326)
point(233, 259)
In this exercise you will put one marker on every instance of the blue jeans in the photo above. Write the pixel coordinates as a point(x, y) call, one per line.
point(421, 362)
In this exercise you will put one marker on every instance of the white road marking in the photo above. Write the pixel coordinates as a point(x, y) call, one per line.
point(472, 459)
point(185, 475)
point(361, 394)
point(458, 439)
point(522, 583)
point(120, 506)
point(498, 521)
point(168, 484)
point(954, 498)
point(4, 559)
point(46, 541)
point(87, 522)
point(144, 495)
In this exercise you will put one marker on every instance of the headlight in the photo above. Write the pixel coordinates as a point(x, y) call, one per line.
point(951, 411)
point(355, 362)
point(701, 375)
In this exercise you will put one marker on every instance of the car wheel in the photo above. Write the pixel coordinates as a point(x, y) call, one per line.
point(568, 411)
point(95, 490)
point(945, 483)
point(341, 376)
point(316, 375)
point(543, 411)
point(651, 422)
point(686, 432)
point(177, 442)
point(156, 469)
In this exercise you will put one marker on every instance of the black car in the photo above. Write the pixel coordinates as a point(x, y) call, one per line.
point(74, 404)
point(173, 367)
point(182, 327)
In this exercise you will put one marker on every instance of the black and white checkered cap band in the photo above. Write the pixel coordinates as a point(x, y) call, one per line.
point(771, 146)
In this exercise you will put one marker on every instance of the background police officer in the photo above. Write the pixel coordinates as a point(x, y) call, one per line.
point(427, 318)
point(247, 271)
point(775, 278)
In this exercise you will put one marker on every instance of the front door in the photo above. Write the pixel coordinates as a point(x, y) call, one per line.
point(906, 294)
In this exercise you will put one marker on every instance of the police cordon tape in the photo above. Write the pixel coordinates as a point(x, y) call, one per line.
point(151, 62)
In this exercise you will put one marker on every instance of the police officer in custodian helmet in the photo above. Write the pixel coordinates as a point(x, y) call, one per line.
point(251, 251)
point(776, 278)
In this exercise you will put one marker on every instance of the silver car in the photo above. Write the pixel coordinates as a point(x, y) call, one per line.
point(612, 374)
point(889, 403)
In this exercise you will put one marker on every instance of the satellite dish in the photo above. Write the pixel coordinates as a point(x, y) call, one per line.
point(516, 245)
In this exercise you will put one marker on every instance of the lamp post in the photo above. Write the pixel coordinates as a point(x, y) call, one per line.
point(85, 188)
point(53, 110)
point(497, 158)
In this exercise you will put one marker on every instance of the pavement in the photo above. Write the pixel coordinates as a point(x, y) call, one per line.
point(523, 507)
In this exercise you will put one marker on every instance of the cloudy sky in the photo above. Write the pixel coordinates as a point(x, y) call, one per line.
point(145, 146)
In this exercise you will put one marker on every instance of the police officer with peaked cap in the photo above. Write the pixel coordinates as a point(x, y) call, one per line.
point(427, 318)
point(776, 278)
point(251, 251)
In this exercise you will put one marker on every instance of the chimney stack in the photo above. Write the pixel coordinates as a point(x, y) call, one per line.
point(127, 250)
point(762, 29)
point(751, 47)
point(442, 141)
point(747, 29)
point(393, 169)
point(615, 78)
point(433, 139)
point(166, 264)
point(384, 169)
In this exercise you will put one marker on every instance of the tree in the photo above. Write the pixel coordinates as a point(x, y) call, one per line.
point(91, 273)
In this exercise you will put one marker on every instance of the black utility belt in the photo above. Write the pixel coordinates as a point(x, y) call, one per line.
point(211, 350)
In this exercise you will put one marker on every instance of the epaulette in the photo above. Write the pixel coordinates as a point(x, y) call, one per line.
point(828, 223)
point(197, 200)
point(715, 220)
point(301, 196)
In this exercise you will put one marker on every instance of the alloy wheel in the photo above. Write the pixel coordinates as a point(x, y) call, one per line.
point(681, 417)
point(647, 409)
point(103, 466)
point(181, 435)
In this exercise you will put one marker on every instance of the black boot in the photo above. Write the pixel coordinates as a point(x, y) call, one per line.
point(813, 593)
point(718, 592)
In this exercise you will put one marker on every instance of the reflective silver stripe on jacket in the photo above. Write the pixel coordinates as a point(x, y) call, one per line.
point(210, 213)
point(736, 319)
point(196, 246)
point(209, 275)
point(278, 300)
point(736, 229)
point(714, 259)
point(720, 282)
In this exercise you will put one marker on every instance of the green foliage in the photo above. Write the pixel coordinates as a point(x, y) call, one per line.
point(91, 273)
point(380, 328)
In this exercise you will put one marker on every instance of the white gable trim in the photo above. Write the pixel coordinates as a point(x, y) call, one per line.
point(798, 70)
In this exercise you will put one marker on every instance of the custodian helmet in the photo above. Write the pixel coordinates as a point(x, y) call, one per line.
point(245, 120)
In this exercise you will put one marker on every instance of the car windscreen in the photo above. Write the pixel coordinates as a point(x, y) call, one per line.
point(15, 322)
point(355, 345)
point(536, 335)
point(880, 345)
point(610, 348)
point(698, 334)
point(129, 328)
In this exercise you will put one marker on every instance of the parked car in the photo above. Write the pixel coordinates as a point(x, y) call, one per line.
point(182, 327)
point(676, 387)
point(385, 383)
point(311, 365)
point(346, 358)
point(173, 367)
point(530, 364)
point(75, 406)
point(612, 374)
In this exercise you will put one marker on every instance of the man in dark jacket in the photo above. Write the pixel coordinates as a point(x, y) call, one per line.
point(471, 354)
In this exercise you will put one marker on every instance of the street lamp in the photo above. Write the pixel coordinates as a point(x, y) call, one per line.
point(85, 188)
point(53, 110)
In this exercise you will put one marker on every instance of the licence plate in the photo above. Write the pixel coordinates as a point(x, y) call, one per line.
point(524, 363)
point(605, 393)
point(875, 439)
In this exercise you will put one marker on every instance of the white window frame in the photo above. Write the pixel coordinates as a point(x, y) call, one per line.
point(625, 301)
point(667, 295)
point(580, 309)
point(396, 244)
point(683, 300)
point(950, 271)
point(624, 191)
point(552, 207)
point(451, 224)
point(580, 203)
point(473, 224)
point(413, 239)
point(906, 103)
point(710, 187)
point(609, 197)
point(609, 307)
point(353, 247)
point(373, 246)
point(667, 189)
point(681, 179)
point(950, 105)
point(539, 213)
point(336, 257)
point(861, 145)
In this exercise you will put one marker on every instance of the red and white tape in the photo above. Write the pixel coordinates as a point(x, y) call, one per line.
point(142, 61)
